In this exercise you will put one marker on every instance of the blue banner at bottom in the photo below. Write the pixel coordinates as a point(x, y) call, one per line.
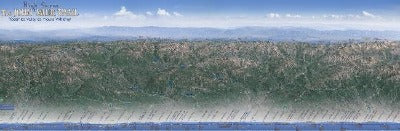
point(205, 126)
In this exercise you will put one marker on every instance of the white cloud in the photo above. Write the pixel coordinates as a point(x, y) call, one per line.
point(125, 13)
point(363, 15)
point(162, 12)
point(367, 14)
point(149, 13)
point(293, 16)
point(337, 16)
point(353, 16)
point(177, 14)
point(274, 15)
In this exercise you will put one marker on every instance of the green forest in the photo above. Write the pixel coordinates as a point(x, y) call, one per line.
point(199, 73)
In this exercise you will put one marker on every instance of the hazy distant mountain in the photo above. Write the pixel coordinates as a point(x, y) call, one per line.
point(260, 33)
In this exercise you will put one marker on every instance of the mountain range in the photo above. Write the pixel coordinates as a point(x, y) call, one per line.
point(248, 33)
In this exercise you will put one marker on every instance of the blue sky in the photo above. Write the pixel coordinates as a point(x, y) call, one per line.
point(225, 6)
point(357, 14)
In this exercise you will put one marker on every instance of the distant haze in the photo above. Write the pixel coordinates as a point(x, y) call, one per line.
point(247, 33)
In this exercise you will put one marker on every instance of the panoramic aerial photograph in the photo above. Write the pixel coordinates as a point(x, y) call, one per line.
point(200, 65)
